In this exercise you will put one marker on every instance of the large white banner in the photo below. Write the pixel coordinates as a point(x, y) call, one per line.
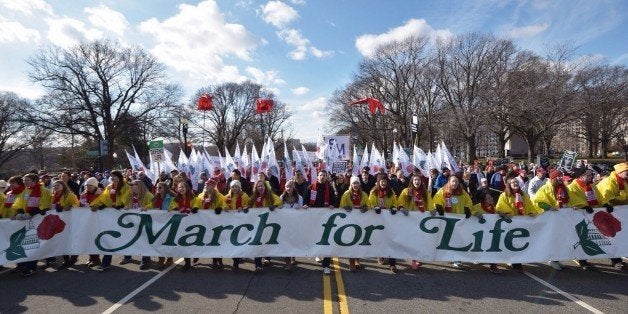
point(561, 235)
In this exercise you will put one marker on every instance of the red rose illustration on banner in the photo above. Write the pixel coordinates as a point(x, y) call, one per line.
point(50, 226)
point(606, 223)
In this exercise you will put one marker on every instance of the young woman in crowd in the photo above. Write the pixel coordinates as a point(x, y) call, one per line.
point(211, 198)
point(139, 198)
point(237, 199)
point(415, 197)
point(354, 198)
point(162, 199)
point(14, 192)
point(263, 197)
point(183, 203)
point(63, 199)
point(290, 198)
point(383, 197)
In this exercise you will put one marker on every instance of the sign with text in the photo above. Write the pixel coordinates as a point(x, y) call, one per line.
point(338, 147)
point(156, 149)
point(560, 235)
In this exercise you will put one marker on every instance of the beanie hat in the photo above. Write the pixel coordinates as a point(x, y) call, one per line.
point(621, 167)
point(354, 179)
point(92, 181)
point(555, 174)
point(3, 184)
point(235, 183)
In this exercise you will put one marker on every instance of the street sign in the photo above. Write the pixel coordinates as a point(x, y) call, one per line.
point(156, 148)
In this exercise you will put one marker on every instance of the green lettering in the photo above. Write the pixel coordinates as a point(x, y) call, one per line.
point(516, 233)
point(260, 231)
point(217, 231)
point(477, 246)
point(197, 236)
point(146, 223)
point(450, 224)
point(368, 231)
point(236, 232)
point(357, 234)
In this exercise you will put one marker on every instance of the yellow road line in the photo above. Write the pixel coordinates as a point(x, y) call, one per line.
point(342, 297)
point(327, 302)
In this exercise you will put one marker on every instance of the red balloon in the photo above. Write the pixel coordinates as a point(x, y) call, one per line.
point(205, 103)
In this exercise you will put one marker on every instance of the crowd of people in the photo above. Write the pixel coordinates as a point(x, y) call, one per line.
point(507, 190)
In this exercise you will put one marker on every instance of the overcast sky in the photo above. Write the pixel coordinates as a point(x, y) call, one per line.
point(303, 50)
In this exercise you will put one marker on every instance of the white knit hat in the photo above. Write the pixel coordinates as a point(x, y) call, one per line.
point(354, 179)
point(235, 183)
point(92, 181)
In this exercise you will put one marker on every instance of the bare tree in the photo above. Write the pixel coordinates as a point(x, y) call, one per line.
point(234, 118)
point(94, 88)
point(466, 64)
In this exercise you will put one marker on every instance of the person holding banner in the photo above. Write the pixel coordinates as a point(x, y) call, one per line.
point(263, 196)
point(415, 197)
point(139, 198)
point(321, 194)
point(16, 189)
point(183, 203)
point(514, 202)
point(354, 198)
point(63, 199)
point(35, 200)
point(161, 201)
point(614, 189)
point(291, 199)
point(91, 191)
point(114, 196)
point(552, 196)
point(211, 198)
point(383, 197)
point(452, 198)
point(237, 199)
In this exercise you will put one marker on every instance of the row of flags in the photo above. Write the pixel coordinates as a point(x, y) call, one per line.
point(266, 161)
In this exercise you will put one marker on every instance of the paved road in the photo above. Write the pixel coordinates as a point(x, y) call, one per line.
point(436, 287)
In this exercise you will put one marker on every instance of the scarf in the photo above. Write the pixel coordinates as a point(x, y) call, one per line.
point(356, 197)
point(314, 191)
point(158, 201)
point(33, 197)
point(238, 200)
point(418, 200)
point(135, 202)
point(207, 200)
point(620, 182)
point(588, 193)
point(12, 194)
point(259, 201)
point(183, 201)
point(381, 197)
point(448, 202)
point(112, 193)
point(56, 199)
point(519, 203)
point(561, 195)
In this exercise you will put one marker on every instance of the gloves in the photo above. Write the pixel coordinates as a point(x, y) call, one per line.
point(609, 208)
point(119, 207)
point(480, 217)
point(393, 210)
point(348, 209)
point(404, 211)
point(467, 212)
point(588, 209)
point(184, 210)
point(378, 210)
point(245, 210)
point(505, 218)
point(101, 207)
point(94, 208)
point(272, 208)
point(218, 210)
point(363, 210)
point(58, 208)
point(41, 211)
point(440, 210)
point(194, 210)
point(67, 208)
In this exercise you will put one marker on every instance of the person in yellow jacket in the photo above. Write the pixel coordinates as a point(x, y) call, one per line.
point(514, 202)
point(210, 198)
point(63, 199)
point(35, 200)
point(13, 194)
point(415, 197)
point(354, 198)
point(184, 202)
point(614, 188)
point(114, 195)
point(383, 197)
point(552, 196)
point(139, 198)
point(237, 199)
point(452, 198)
point(263, 196)
point(586, 195)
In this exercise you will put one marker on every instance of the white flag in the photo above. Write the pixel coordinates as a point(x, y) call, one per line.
point(419, 160)
point(448, 159)
point(356, 162)
point(376, 161)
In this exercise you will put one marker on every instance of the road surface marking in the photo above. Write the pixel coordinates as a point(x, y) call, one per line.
point(564, 294)
point(327, 302)
point(142, 287)
point(342, 296)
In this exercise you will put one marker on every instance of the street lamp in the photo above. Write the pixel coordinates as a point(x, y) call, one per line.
point(184, 128)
